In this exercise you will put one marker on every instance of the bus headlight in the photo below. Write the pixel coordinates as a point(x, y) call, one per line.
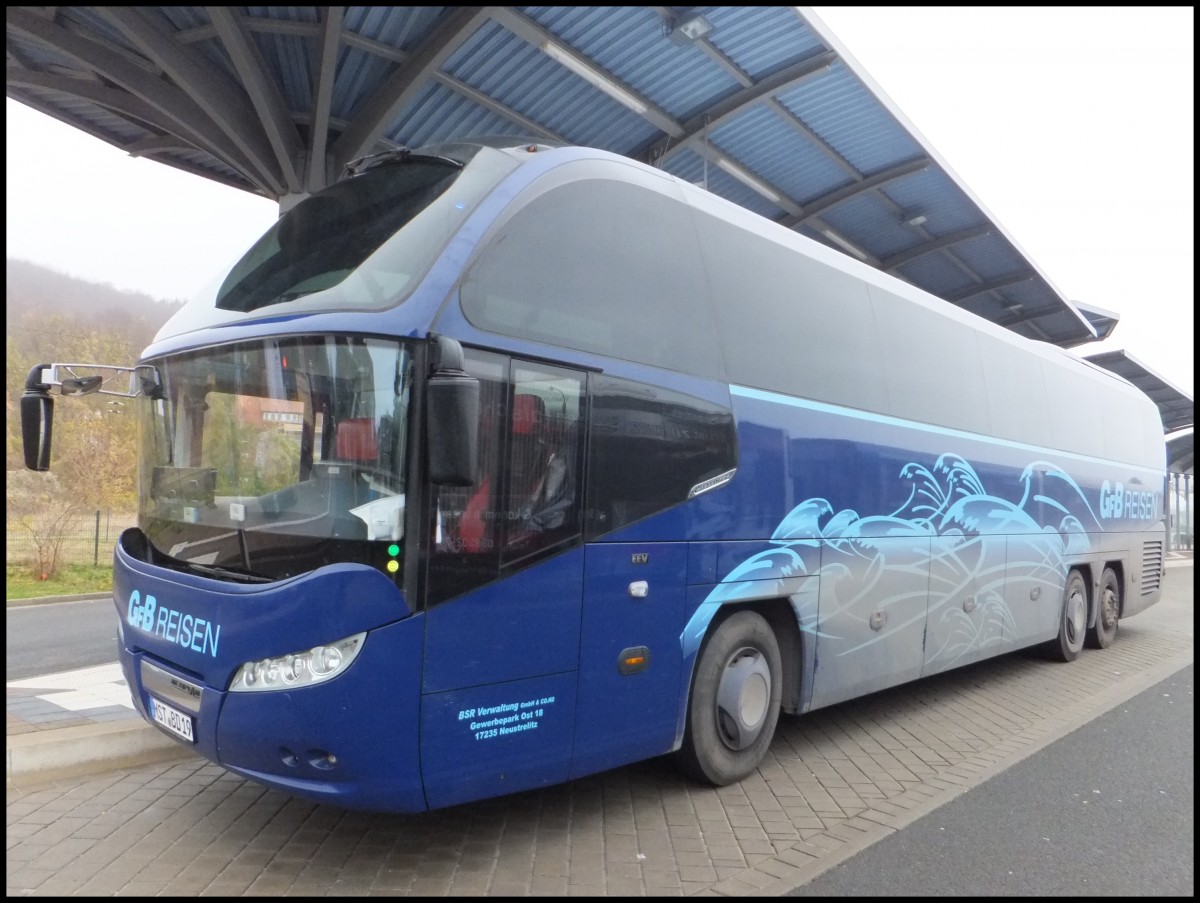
point(298, 669)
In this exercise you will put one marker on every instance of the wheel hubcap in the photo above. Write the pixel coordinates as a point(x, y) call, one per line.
point(1076, 617)
point(743, 697)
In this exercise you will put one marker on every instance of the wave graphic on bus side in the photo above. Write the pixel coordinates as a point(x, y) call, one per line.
point(953, 539)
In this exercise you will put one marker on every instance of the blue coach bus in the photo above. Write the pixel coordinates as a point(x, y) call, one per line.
point(493, 466)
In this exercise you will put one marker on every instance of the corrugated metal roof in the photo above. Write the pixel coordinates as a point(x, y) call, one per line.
point(1176, 406)
point(765, 108)
point(1181, 453)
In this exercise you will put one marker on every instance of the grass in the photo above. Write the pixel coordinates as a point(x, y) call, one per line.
point(70, 580)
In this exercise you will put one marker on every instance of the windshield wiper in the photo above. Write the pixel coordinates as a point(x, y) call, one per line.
point(402, 155)
point(225, 572)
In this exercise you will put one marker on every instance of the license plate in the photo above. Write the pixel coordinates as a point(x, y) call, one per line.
point(173, 720)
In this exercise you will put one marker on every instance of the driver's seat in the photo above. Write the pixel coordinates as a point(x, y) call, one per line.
point(356, 440)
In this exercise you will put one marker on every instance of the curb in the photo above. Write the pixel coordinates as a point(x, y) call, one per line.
point(50, 755)
point(46, 600)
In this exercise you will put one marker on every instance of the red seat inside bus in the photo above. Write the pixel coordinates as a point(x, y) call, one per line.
point(356, 440)
point(531, 454)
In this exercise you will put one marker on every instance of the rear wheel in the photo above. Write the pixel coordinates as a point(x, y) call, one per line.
point(1072, 625)
point(734, 704)
point(1108, 611)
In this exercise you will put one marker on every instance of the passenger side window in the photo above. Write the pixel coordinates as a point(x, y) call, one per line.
point(650, 449)
point(604, 267)
point(526, 501)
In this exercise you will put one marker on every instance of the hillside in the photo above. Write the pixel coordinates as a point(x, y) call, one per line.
point(34, 294)
point(50, 316)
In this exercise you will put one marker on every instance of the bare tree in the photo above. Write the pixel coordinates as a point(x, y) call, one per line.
point(39, 507)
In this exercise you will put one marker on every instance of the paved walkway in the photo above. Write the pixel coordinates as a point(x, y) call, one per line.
point(834, 782)
point(78, 698)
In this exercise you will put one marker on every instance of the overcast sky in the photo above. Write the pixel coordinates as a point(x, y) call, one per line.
point(1072, 127)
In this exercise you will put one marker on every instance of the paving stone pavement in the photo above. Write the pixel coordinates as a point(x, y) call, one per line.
point(836, 781)
point(70, 699)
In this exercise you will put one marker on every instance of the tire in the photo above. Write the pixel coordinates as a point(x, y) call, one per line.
point(1108, 611)
point(1072, 623)
point(734, 704)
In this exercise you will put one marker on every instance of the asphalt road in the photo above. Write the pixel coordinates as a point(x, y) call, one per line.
point(1109, 810)
point(58, 636)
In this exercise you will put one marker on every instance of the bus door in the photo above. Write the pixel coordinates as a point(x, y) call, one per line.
point(631, 659)
point(651, 451)
point(504, 591)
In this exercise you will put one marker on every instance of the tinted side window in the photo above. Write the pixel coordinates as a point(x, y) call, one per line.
point(526, 500)
point(790, 322)
point(648, 448)
point(930, 363)
point(600, 266)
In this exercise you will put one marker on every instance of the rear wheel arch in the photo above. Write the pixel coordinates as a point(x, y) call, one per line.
point(782, 618)
point(780, 615)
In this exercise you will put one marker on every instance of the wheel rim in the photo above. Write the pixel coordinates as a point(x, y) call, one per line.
point(1076, 617)
point(1108, 609)
point(743, 697)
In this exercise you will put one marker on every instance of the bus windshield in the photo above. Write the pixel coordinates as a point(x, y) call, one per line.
point(364, 242)
point(269, 458)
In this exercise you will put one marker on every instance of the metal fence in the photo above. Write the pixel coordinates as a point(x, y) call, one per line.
point(86, 538)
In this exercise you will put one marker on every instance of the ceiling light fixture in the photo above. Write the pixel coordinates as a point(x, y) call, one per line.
point(748, 180)
point(592, 76)
point(690, 29)
point(844, 243)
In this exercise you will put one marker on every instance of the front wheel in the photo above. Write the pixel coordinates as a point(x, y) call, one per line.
point(1072, 624)
point(1108, 610)
point(734, 705)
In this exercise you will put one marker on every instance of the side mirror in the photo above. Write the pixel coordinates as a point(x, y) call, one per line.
point(453, 418)
point(37, 420)
point(82, 385)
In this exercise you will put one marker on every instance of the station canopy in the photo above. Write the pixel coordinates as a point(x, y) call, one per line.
point(1181, 453)
point(1175, 406)
point(762, 105)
